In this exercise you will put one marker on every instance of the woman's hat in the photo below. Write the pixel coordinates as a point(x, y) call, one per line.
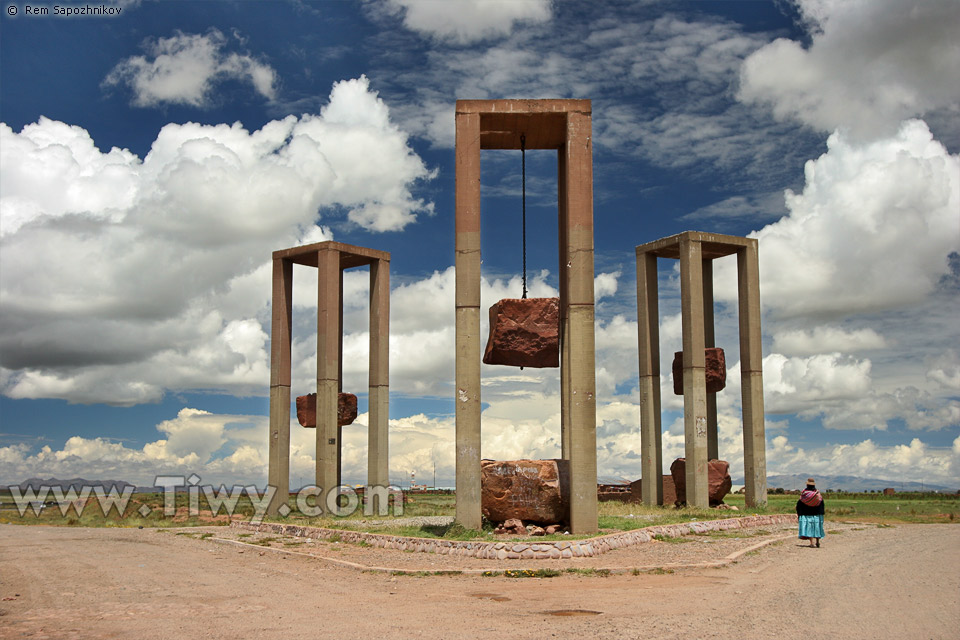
point(810, 481)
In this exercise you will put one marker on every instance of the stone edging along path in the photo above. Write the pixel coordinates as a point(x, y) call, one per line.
point(528, 550)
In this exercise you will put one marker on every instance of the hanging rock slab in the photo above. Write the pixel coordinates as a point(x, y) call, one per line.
point(524, 333)
point(716, 370)
point(307, 410)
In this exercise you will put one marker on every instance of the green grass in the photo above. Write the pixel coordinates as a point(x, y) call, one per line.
point(874, 508)
point(871, 507)
point(672, 539)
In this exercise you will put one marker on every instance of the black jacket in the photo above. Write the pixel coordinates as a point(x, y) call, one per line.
point(805, 510)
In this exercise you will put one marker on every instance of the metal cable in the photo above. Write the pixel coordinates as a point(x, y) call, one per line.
point(523, 165)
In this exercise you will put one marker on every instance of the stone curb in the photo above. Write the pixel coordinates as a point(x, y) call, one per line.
point(561, 549)
point(495, 571)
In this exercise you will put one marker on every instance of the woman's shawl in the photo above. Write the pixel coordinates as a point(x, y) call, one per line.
point(811, 497)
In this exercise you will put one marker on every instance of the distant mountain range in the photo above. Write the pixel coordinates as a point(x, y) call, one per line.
point(77, 483)
point(849, 483)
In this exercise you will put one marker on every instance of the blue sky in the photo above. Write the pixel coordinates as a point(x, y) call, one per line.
point(152, 160)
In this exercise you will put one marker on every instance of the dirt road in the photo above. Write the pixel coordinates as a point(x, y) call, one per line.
point(867, 582)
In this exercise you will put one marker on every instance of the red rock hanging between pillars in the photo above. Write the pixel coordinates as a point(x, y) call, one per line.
point(716, 369)
point(307, 410)
point(524, 333)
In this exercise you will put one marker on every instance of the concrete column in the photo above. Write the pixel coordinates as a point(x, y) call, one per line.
point(328, 366)
point(467, 243)
point(340, 384)
point(694, 373)
point(709, 340)
point(280, 332)
point(564, 320)
point(379, 372)
point(578, 191)
point(648, 334)
point(751, 376)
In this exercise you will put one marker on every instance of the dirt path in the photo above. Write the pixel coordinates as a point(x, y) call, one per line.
point(866, 582)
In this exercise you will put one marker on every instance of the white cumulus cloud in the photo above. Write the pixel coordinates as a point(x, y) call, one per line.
point(826, 339)
point(871, 230)
point(466, 21)
point(123, 277)
point(184, 68)
point(869, 65)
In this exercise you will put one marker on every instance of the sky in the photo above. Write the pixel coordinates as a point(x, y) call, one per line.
point(154, 155)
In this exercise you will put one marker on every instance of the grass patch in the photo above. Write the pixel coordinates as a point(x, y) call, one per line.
point(671, 539)
point(587, 571)
point(656, 571)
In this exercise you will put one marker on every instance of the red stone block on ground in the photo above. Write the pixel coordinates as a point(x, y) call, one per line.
point(718, 480)
point(669, 491)
point(524, 333)
point(307, 410)
point(534, 491)
point(716, 370)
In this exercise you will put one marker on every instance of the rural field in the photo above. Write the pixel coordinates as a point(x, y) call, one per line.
point(889, 567)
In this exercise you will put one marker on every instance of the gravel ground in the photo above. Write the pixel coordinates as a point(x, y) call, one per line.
point(865, 582)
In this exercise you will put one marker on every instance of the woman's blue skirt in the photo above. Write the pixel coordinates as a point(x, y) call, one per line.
point(811, 526)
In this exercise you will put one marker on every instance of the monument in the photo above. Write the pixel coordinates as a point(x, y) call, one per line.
point(696, 252)
point(564, 125)
point(330, 259)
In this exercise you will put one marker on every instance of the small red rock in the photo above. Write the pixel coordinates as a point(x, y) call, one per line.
point(514, 526)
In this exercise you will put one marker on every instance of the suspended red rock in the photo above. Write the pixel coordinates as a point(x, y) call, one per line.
point(524, 333)
point(716, 370)
point(307, 410)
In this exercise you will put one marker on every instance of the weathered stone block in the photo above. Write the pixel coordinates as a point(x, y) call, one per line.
point(669, 491)
point(307, 410)
point(718, 480)
point(524, 333)
point(535, 491)
point(716, 370)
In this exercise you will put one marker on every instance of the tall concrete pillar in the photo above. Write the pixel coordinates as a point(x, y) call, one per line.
point(648, 334)
point(578, 263)
point(564, 317)
point(751, 376)
point(694, 373)
point(709, 341)
point(328, 366)
point(467, 263)
point(378, 446)
point(547, 124)
point(280, 332)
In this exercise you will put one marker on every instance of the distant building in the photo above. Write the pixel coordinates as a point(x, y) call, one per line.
point(889, 491)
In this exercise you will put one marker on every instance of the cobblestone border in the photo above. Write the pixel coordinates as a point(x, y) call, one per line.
point(560, 549)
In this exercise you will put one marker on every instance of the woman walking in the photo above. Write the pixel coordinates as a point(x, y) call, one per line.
point(810, 513)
